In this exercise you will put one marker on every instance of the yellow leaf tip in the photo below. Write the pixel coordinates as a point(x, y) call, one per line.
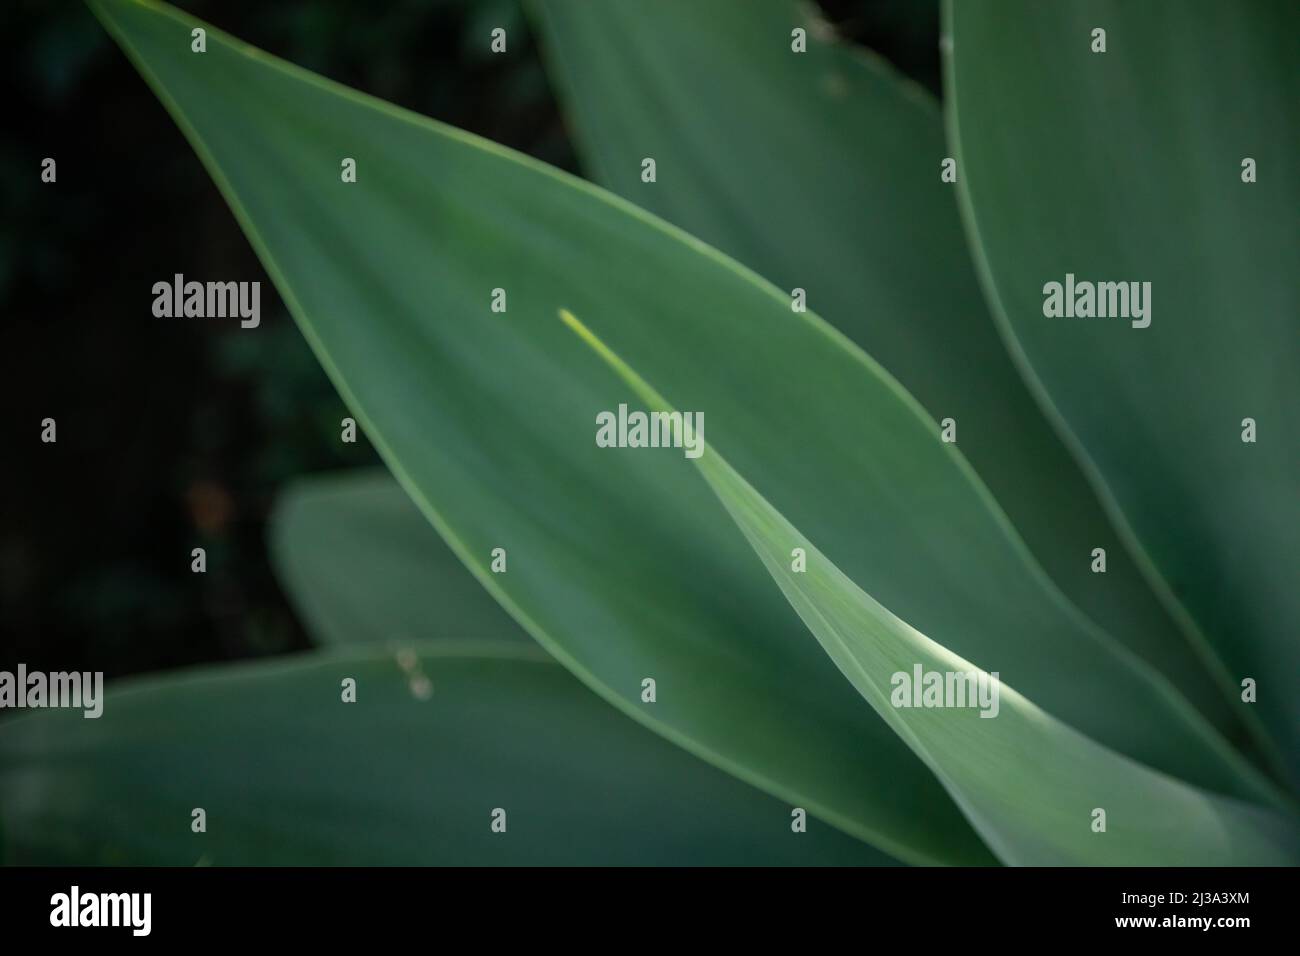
point(584, 333)
point(571, 320)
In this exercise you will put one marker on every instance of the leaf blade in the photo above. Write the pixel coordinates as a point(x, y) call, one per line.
point(629, 566)
point(773, 714)
point(409, 774)
point(1025, 779)
point(821, 170)
point(1172, 198)
point(363, 566)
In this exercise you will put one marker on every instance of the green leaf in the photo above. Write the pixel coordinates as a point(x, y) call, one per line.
point(1126, 166)
point(621, 562)
point(362, 565)
point(623, 569)
point(821, 170)
point(1029, 783)
point(410, 773)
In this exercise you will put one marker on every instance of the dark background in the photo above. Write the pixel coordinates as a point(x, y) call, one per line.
point(176, 434)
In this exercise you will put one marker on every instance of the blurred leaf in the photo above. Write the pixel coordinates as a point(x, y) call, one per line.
point(408, 774)
point(363, 565)
point(1126, 166)
point(1027, 782)
point(821, 171)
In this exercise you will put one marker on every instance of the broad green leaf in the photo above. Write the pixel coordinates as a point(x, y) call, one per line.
point(439, 736)
point(362, 565)
point(621, 562)
point(623, 569)
point(1029, 783)
point(821, 170)
point(1127, 166)
point(332, 533)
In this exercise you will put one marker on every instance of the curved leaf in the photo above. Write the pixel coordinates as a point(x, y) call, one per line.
point(621, 561)
point(620, 571)
point(362, 565)
point(438, 737)
point(1030, 784)
point(821, 170)
point(1126, 166)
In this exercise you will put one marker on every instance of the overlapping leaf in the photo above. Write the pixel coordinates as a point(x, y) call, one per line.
point(620, 561)
point(1127, 166)
point(440, 735)
point(623, 572)
point(821, 170)
point(364, 566)
point(1031, 785)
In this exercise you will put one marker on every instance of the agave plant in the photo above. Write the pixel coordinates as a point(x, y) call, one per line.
point(922, 457)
